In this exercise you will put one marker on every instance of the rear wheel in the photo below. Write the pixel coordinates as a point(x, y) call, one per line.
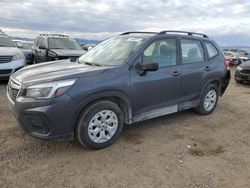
point(208, 100)
point(100, 125)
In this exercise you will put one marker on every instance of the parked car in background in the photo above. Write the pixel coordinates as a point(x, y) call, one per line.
point(52, 47)
point(240, 51)
point(126, 79)
point(234, 58)
point(230, 62)
point(244, 52)
point(11, 58)
point(242, 72)
point(25, 47)
point(87, 46)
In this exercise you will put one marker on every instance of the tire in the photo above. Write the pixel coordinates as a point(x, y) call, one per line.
point(208, 101)
point(94, 129)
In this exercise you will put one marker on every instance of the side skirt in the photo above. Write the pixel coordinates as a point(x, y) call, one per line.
point(165, 110)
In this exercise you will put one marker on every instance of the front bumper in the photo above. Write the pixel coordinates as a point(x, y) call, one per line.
point(241, 77)
point(7, 69)
point(51, 119)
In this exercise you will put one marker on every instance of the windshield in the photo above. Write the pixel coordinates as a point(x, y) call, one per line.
point(64, 43)
point(111, 52)
point(26, 45)
point(6, 42)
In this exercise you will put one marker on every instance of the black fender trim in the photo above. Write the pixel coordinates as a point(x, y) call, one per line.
point(103, 94)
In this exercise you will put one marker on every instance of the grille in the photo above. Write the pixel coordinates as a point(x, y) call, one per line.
point(245, 71)
point(6, 71)
point(5, 59)
point(13, 90)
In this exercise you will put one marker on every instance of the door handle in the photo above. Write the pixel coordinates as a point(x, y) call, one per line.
point(176, 73)
point(208, 68)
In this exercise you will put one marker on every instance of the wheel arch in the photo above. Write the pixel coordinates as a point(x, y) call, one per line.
point(115, 96)
point(215, 81)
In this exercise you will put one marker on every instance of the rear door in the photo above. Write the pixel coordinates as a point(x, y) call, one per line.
point(194, 68)
point(160, 88)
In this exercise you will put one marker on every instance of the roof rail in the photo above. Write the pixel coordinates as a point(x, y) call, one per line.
point(54, 35)
point(142, 32)
point(184, 32)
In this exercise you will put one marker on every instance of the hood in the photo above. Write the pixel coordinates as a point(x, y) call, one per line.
point(245, 65)
point(52, 71)
point(68, 52)
point(8, 51)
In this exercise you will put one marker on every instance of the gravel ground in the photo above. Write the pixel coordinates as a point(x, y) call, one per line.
point(178, 150)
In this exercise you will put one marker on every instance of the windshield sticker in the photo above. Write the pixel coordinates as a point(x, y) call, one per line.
point(134, 39)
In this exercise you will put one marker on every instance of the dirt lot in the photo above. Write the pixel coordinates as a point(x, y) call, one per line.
point(178, 150)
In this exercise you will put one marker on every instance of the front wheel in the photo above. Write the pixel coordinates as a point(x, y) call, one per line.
point(208, 100)
point(100, 125)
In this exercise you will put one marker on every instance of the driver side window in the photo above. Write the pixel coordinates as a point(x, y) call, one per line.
point(162, 52)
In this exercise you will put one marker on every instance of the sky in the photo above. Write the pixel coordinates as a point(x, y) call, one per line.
point(226, 21)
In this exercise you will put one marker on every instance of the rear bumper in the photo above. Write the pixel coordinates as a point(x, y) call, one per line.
point(225, 82)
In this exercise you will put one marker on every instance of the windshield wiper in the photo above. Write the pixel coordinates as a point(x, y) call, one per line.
point(2, 45)
point(91, 63)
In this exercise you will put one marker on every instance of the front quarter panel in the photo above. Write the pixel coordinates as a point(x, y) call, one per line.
point(112, 79)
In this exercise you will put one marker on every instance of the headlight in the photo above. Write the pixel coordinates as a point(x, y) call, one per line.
point(239, 68)
point(49, 90)
point(19, 55)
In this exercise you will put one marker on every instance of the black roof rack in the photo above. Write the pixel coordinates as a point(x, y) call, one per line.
point(142, 32)
point(54, 35)
point(184, 32)
point(167, 31)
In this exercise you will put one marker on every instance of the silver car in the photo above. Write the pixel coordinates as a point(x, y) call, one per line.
point(11, 58)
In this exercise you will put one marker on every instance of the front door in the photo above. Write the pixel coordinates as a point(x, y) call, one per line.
point(161, 88)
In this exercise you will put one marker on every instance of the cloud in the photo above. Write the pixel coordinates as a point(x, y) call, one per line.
point(102, 18)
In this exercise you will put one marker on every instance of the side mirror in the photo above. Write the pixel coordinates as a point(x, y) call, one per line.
point(143, 68)
point(19, 45)
point(42, 47)
point(150, 67)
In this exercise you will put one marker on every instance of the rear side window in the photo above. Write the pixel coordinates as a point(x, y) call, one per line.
point(192, 51)
point(211, 49)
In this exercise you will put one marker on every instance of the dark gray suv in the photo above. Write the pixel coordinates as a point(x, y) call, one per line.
point(126, 79)
point(52, 47)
